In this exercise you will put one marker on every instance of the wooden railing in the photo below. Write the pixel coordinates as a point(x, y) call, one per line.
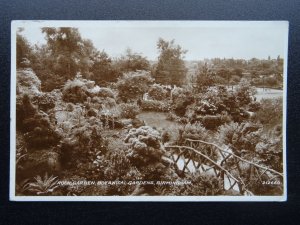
point(237, 174)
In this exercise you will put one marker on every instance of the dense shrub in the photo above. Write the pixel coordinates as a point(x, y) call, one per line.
point(28, 83)
point(254, 106)
point(84, 144)
point(145, 152)
point(211, 122)
point(75, 91)
point(128, 110)
point(193, 131)
point(105, 93)
point(270, 112)
point(181, 104)
point(157, 92)
point(153, 105)
point(197, 132)
point(80, 90)
point(242, 138)
point(248, 141)
point(244, 93)
point(179, 93)
point(39, 133)
point(248, 138)
point(45, 101)
point(102, 103)
point(219, 101)
point(145, 146)
point(133, 85)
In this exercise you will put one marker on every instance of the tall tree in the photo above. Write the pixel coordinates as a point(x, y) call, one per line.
point(103, 70)
point(131, 62)
point(170, 67)
point(205, 77)
point(65, 44)
point(23, 49)
point(65, 54)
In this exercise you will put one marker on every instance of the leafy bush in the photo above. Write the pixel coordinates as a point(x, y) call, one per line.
point(244, 93)
point(119, 165)
point(219, 101)
point(105, 93)
point(193, 131)
point(211, 122)
point(181, 105)
point(254, 106)
point(248, 141)
point(45, 101)
point(80, 90)
point(28, 83)
point(128, 110)
point(39, 133)
point(144, 145)
point(242, 138)
point(24, 109)
point(82, 134)
point(157, 92)
point(270, 112)
point(179, 93)
point(248, 138)
point(75, 91)
point(145, 152)
point(153, 105)
point(133, 85)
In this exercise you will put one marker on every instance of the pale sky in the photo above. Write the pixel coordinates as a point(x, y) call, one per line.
point(202, 40)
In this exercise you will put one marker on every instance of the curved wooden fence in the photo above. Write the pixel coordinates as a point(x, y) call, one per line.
point(238, 174)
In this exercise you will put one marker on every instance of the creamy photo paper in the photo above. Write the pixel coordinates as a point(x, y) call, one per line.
point(148, 110)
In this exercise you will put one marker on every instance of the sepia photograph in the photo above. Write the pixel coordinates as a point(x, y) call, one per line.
point(148, 110)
